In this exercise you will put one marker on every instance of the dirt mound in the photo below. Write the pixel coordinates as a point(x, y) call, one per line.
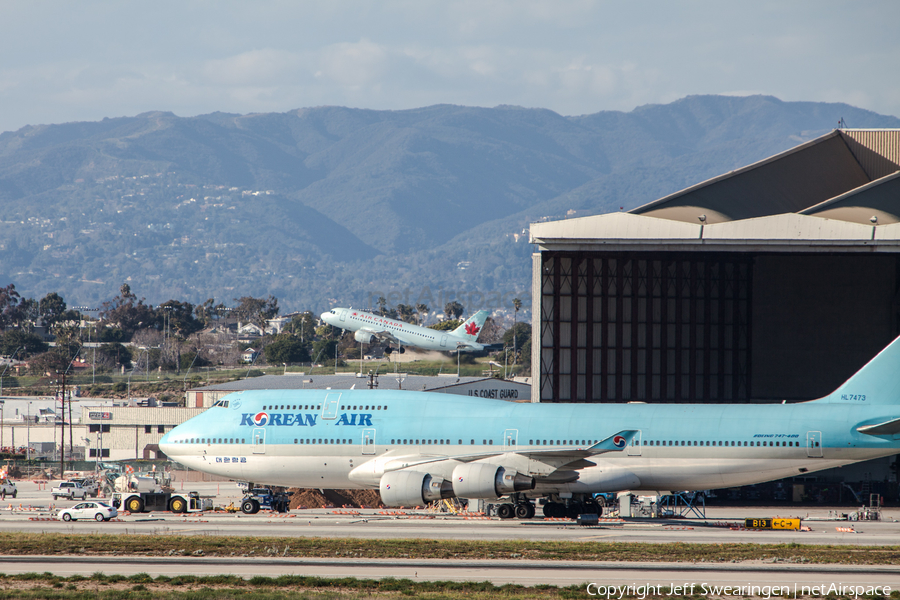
point(309, 498)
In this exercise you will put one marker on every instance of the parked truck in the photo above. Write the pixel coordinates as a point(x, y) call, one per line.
point(69, 490)
point(142, 494)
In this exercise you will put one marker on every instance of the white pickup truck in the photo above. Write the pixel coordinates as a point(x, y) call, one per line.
point(70, 490)
point(91, 488)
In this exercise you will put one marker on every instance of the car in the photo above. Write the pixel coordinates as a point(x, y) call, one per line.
point(8, 488)
point(99, 511)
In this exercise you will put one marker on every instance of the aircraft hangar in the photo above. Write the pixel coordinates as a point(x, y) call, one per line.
point(772, 282)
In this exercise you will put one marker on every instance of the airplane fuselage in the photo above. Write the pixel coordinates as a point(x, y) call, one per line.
point(370, 327)
point(350, 438)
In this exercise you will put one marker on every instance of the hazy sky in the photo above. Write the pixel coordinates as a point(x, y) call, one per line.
point(68, 61)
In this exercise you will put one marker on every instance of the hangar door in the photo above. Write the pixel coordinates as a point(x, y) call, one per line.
point(618, 327)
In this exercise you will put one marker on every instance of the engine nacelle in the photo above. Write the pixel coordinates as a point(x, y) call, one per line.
point(362, 336)
point(412, 488)
point(482, 480)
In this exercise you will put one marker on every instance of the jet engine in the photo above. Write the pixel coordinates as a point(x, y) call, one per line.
point(482, 480)
point(413, 488)
point(362, 336)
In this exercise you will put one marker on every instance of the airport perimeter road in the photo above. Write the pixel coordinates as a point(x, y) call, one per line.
point(371, 524)
point(527, 573)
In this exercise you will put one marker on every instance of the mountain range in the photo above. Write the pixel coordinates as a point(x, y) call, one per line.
point(330, 205)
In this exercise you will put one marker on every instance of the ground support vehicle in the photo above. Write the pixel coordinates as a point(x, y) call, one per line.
point(69, 490)
point(136, 502)
point(259, 498)
point(142, 494)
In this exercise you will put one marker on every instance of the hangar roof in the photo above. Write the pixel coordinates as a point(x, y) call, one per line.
point(386, 381)
point(840, 191)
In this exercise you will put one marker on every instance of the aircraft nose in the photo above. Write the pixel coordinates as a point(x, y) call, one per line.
point(324, 316)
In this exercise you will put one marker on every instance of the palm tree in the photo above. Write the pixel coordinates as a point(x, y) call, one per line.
point(421, 311)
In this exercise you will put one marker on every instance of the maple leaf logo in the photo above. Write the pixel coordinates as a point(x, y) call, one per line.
point(472, 328)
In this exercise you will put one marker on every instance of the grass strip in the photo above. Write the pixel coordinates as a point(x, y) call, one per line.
point(245, 546)
point(226, 587)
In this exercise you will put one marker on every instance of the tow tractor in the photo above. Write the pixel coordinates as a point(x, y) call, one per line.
point(257, 498)
point(143, 494)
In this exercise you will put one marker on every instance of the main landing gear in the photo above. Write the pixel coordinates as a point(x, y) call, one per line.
point(520, 508)
point(388, 350)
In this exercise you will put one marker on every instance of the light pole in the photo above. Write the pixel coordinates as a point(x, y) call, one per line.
point(28, 430)
point(505, 361)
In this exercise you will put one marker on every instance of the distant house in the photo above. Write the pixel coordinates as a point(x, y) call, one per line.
point(245, 329)
point(249, 355)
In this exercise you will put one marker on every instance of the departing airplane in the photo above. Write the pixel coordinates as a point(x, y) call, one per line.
point(368, 327)
point(416, 447)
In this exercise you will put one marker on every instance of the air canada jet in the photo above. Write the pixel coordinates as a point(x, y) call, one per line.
point(368, 327)
point(416, 447)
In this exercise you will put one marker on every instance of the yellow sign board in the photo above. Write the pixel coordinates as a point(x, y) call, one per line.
point(776, 523)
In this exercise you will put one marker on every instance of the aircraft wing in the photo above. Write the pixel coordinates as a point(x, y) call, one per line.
point(551, 458)
point(891, 427)
point(381, 334)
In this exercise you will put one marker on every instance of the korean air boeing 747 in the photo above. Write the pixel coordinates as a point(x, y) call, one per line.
point(416, 447)
point(368, 327)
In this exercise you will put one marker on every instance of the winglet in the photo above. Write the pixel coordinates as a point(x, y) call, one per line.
point(614, 443)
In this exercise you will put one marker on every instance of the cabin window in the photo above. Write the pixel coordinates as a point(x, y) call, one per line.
point(354, 407)
point(460, 442)
point(473, 442)
point(491, 442)
point(295, 440)
point(530, 441)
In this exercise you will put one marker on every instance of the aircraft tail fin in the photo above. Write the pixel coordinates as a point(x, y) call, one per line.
point(878, 382)
point(470, 329)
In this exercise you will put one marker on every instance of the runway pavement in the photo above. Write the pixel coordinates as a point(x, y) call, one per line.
point(372, 524)
point(527, 573)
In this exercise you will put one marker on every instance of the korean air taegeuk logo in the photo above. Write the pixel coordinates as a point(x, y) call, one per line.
point(619, 441)
point(260, 418)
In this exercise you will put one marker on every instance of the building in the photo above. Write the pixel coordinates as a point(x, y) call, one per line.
point(485, 387)
point(773, 282)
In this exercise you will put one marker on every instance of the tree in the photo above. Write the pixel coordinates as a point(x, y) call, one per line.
point(127, 313)
point(520, 331)
point(454, 310)
point(256, 310)
point(9, 306)
point(448, 325)
point(421, 311)
point(26, 342)
point(304, 325)
point(51, 308)
point(323, 350)
point(406, 312)
point(48, 363)
point(286, 348)
point(67, 339)
point(179, 317)
point(113, 355)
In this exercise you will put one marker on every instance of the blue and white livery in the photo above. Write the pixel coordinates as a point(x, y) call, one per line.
point(416, 447)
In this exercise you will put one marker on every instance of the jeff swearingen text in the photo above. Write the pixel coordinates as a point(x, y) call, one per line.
point(790, 590)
